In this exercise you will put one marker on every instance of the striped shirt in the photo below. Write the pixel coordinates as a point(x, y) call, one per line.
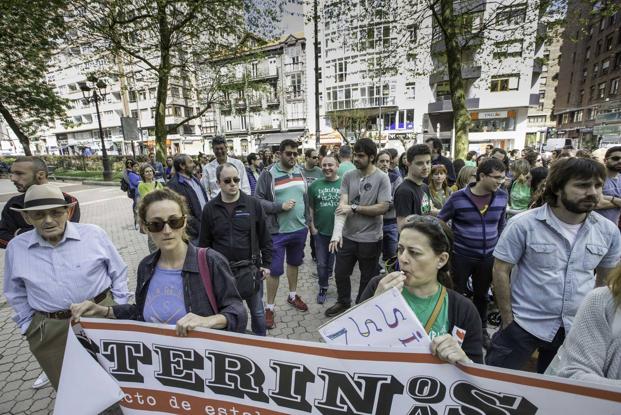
point(476, 234)
point(290, 185)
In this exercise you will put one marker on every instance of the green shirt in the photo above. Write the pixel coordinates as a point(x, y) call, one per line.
point(520, 196)
point(423, 307)
point(144, 188)
point(344, 168)
point(324, 198)
point(289, 185)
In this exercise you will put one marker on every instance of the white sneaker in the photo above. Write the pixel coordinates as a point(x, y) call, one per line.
point(41, 381)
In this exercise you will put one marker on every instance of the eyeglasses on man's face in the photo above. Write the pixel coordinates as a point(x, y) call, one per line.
point(230, 180)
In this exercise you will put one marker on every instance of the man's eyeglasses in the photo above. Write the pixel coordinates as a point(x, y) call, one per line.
point(228, 180)
point(498, 178)
point(41, 214)
point(158, 225)
point(290, 153)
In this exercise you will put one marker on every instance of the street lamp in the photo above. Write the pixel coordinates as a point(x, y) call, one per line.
point(98, 89)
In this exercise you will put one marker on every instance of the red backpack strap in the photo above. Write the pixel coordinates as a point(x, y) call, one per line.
point(206, 277)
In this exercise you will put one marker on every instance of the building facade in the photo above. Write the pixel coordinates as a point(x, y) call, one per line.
point(263, 95)
point(588, 103)
point(401, 86)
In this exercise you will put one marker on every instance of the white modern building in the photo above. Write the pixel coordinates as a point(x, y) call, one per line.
point(392, 67)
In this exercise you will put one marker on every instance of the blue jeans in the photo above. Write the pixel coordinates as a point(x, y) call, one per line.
point(325, 259)
point(390, 241)
point(257, 312)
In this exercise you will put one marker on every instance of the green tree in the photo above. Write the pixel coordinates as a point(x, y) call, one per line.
point(172, 40)
point(29, 35)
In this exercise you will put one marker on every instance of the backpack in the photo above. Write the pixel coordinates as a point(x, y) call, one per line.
point(124, 185)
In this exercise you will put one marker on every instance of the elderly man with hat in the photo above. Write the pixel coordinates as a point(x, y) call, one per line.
point(54, 265)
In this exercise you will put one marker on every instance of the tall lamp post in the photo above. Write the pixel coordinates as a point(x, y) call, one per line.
point(97, 91)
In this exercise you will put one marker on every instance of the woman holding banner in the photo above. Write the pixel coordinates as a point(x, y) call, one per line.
point(592, 350)
point(450, 319)
point(175, 285)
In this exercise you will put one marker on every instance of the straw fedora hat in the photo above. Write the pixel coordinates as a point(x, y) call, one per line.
point(42, 197)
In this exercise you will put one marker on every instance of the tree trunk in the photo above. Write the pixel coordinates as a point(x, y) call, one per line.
point(461, 117)
point(161, 131)
point(23, 138)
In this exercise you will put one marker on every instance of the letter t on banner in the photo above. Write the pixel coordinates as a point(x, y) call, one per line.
point(84, 383)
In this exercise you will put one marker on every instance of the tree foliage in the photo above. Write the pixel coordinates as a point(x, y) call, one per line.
point(29, 34)
point(172, 41)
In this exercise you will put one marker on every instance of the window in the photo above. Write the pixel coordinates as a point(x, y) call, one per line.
point(617, 63)
point(568, 97)
point(595, 70)
point(412, 33)
point(505, 83)
point(605, 66)
point(410, 90)
point(609, 43)
point(578, 116)
point(591, 93)
point(598, 47)
point(134, 113)
point(229, 125)
point(602, 24)
point(484, 125)
point(508, 48)
point(296, 85)
point(443, 89)
point(243, 122)
point(536, 119)
point(614, 87)
point(587, 54)
point(340, 71)
point(511, 15)
point(601, 90)
point(581, 97)
point(174, 91)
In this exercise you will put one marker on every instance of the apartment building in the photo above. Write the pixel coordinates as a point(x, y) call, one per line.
point(263, 95)
point(129, 92)
point(358, 58)
point(588, 104)
point(541, 118)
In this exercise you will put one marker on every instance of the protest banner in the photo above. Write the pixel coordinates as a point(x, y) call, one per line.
point(383, 320)
point(219, 373)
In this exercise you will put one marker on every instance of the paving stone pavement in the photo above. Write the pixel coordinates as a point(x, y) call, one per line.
point(19, 369)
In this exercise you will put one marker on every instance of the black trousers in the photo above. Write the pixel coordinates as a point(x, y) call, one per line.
point(513, 346)
point(481, 271)
point(366, 254)
point(312, 245)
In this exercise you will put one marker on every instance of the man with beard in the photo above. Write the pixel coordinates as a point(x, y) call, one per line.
point(609, 205)
point(477, 215)
point(283, 193)
point(357, 236)
point(545, 263)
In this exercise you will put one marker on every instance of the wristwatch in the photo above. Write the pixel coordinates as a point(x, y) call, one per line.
point(354, 207)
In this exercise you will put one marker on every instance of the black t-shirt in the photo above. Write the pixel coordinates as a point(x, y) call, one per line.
point(412, 199)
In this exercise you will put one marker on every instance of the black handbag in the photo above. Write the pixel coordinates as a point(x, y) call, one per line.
point(246, 272)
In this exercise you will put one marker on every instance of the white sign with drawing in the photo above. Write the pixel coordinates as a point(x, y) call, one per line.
point(383, 320)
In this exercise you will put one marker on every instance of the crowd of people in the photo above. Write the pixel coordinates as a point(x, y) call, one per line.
point(529, 236)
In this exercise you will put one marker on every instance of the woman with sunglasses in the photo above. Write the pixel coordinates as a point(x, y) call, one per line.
point(425, 243)
point(169, 287)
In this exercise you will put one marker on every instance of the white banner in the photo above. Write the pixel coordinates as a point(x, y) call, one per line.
point(383, 320)
point(218, 373)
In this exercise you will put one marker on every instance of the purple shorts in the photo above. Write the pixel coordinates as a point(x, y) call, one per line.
point(293, 244)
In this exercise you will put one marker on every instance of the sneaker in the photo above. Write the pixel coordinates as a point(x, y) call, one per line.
point(297, 303)
point(336, 309)
point(269, 318)
point(41, 381)
point(321, 297)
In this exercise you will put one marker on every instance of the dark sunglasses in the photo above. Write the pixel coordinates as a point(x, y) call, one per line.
point(158, 225)
point(228, 180)
point(290, 153)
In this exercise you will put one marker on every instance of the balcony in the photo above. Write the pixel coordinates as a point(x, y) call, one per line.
point(294, 67)
point(445, 105)
point(264, 74)
point(240, 103)
point(438, 46)
point(254, 102)
point(467, 72)
point(376, 102)
point(273, 101)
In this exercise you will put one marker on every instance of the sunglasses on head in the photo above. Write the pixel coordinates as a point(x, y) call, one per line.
point(228, 180)
point(432, 220)
point(158, 225)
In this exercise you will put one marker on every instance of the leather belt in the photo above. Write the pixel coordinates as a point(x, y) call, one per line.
point(65, 314)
